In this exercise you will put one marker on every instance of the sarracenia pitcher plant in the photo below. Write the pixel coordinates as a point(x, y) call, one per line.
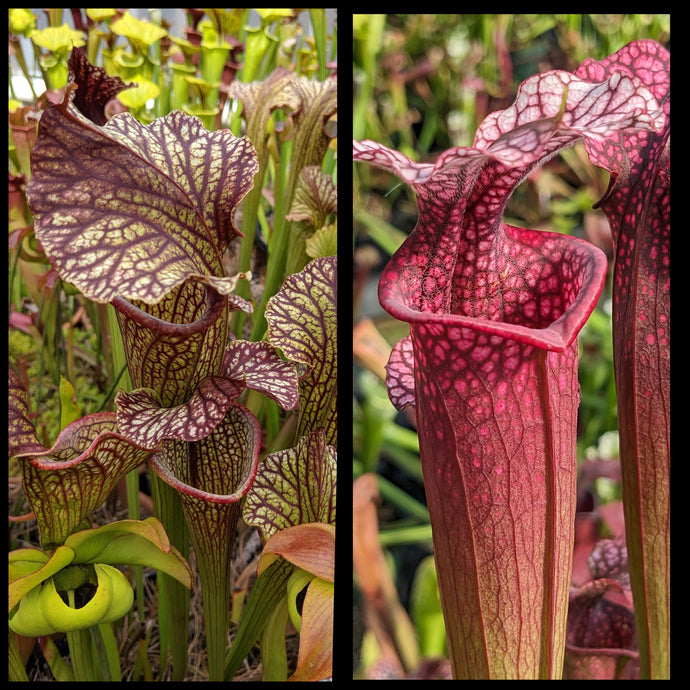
point(70, 584)
point(638, 207)
point(491, 360)
point(139, 217)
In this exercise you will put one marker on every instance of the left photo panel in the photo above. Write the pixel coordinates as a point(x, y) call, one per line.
point(172, 344)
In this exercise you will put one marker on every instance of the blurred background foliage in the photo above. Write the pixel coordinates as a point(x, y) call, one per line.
point(423, 84)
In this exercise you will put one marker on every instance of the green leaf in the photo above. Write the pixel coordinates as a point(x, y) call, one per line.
point(426, 610)
point(297, 582)
point(21, 585)
point(315, 197)
point(130, 542)
point(293, 487)
point(69, 412)
point(28, 619)
point(272, 643)
point(58, 666)
point(324, 242)
point(265, 595)
point(302, 322)
point(27, 555)
point(112, 599)
point(132, 549)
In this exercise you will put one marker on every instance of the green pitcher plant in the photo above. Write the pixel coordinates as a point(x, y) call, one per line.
point(58, 42)
point(87, 556)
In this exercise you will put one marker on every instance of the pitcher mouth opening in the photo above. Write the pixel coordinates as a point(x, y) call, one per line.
point(195, 487)
point(544, 300)
point(216, 303)
point(553, 337)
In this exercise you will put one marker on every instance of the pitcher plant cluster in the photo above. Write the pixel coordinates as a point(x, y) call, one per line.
point(225, 387)
point(490, 368)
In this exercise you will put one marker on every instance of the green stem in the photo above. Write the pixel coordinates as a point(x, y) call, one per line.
point(236, 117)
point(15, 668)
point(134, 511)
point(76, 652)
point(69, 353)
point(273, 652)
point(267, 593)
point(173, 600)
point(180, 86)
point(255, 403)
point(213, 546)
point(118, 363)
point(271, 420)
point(19, 56)
point(142, 667)
point(115, 349)
point(105, 644)
point(15, 292)
point(414, 534)
point(157, 73)
point(275, 270)
point(213, 58)
point(370, 42)
point(79, 642)
point(37, 61)
point(297, 257)
point(257, 44)
point(318, 22)
point(285, 437)
point(250, 209)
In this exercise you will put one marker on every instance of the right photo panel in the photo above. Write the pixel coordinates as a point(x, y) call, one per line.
point(511, 320)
